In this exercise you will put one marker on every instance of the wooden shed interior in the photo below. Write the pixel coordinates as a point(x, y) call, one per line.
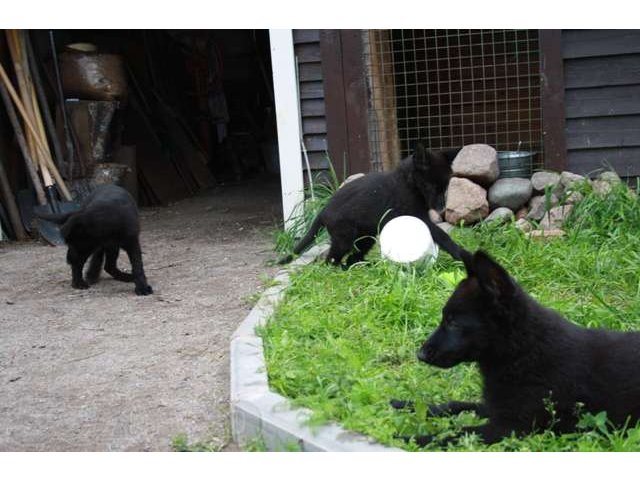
point(198, 111)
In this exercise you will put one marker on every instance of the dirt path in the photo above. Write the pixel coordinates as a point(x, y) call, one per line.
point(103, 369)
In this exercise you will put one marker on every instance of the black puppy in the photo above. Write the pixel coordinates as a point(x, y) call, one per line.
point(107, 222)
point(359, 209)
point(529, 356)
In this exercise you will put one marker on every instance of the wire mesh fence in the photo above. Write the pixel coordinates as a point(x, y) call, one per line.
point(451, 88)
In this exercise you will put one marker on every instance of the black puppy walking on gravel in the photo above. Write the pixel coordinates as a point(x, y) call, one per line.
point(358, 210)
point(107, 222)
point(538, 369)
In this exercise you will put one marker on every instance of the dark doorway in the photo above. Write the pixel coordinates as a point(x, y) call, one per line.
point(199, 108)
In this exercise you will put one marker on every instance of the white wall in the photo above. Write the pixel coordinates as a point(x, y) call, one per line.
point(287, 114)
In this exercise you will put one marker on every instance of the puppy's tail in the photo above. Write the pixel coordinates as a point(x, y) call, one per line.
point(58, 218)
point(305, 241)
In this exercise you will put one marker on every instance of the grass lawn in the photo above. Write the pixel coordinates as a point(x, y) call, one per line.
point(344, 343)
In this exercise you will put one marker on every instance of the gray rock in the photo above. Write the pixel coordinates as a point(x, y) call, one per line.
point(538, 206)
point(542, 234)
point(466, 201)
point(542, 180)
point(601, 187)
point(567, 179)
point(609, 176)
point(502, 214)
point(522, 213)
point(477, 162)
point(555, 218)
point(573, 198)
point(435, 217)
point(447, 227)
point(524, 225)
point(510, 192)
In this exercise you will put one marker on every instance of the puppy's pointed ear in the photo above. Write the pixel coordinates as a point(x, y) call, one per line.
point(420, 156)
point(493, 279)
point(450, 154)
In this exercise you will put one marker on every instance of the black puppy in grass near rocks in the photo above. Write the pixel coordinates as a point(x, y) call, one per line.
point(538, 369)
point(358, 210)
point(107, 222)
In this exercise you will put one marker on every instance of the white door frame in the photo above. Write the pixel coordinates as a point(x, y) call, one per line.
point(285, 89)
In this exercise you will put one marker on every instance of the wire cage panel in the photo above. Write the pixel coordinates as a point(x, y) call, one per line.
point(451, 88)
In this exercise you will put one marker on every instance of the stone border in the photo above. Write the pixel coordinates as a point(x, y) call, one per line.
point(257, 412)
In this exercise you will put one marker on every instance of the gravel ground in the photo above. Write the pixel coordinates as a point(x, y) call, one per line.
point(103, 369)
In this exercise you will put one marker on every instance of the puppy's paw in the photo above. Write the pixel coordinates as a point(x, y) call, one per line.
point(81, 285)
point(146, 290)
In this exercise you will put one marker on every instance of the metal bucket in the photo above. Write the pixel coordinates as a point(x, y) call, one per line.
point(515, 164)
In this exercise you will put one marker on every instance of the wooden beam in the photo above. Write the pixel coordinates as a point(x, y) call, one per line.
point(345, 94)
point(384, 124)
point(356, 101)
point(335, 106)
point(553, 111)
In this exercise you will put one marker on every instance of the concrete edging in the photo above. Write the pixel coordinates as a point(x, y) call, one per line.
point(258, 412)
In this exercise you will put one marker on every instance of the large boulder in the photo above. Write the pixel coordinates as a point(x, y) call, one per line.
point(510, 192)
point(477, 162)
point(466, 201)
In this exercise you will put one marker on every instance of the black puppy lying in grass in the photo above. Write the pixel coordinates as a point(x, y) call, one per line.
point(107, 222)
point(530, 357)
point(359, 209)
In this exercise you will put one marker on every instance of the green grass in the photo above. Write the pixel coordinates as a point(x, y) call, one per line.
point(344, 343)
point(180, 443)
point(323, 189)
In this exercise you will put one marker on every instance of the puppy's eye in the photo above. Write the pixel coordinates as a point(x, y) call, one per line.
point(450, 322)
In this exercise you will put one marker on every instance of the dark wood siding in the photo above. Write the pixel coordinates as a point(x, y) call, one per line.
point(602, 99)
point(312, 99)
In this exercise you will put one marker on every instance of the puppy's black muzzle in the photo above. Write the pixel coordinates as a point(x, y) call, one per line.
point(426, 354)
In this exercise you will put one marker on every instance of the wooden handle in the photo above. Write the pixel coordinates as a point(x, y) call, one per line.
point(10, 202)
point(18, 103)
point(22, 143)
point(42, 150)
point(50, 167)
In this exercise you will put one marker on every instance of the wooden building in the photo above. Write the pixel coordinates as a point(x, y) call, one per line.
point(572, 97)
point(358, 100)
